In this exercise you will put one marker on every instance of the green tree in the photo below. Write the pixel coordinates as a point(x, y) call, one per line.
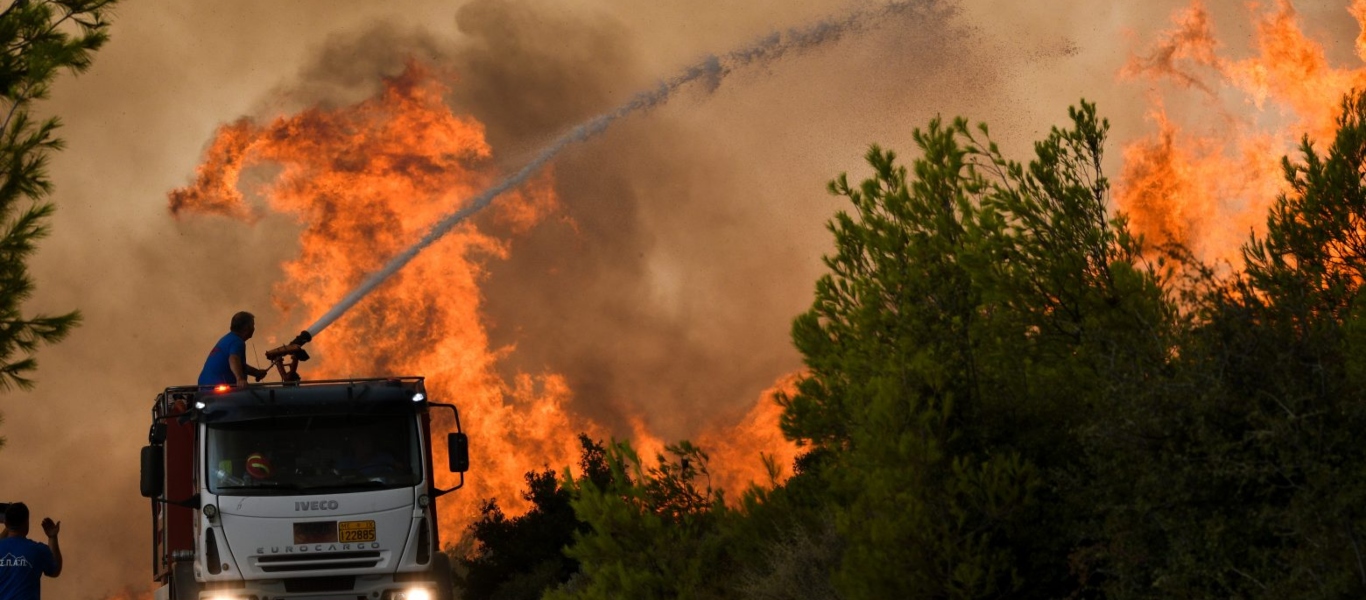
point(1011, 396)
point(652, 533)
point(39, 38)
point(976, 311)
point(521, 557)
point(785, 539)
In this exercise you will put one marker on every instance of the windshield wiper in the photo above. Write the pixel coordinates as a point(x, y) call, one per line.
point(402, 480)
point(270, 485)
point(360, 483)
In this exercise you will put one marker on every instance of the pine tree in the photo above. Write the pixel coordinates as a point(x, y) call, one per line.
point(976, 311)
point(522, 557)
point(39, 39)
point(650, 533)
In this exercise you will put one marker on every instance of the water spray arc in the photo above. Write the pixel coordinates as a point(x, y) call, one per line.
point(709, 71)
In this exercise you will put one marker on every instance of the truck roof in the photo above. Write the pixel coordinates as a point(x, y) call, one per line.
point(387, 395)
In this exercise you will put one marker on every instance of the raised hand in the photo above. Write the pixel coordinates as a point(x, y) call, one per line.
point(50, 528)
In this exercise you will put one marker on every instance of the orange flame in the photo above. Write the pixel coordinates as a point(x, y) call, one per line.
point(1358, 10)
point(738, 453)
point(131, 593)
point(1208, 191)
point(364, 182)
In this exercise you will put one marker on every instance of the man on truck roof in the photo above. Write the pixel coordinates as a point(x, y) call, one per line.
point(227, 361)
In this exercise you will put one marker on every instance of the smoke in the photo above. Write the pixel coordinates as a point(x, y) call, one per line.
point(653, 294)
point(711, 71)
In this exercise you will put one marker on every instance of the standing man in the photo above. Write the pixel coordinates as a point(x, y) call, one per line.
point(24, 562)
point(227, 362)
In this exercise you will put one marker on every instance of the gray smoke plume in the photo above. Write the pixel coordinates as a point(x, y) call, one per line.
point(709, 72)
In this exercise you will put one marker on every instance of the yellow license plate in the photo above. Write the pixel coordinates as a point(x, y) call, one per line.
point(356, 531)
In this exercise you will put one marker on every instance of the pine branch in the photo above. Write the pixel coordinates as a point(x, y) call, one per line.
point(36, 42)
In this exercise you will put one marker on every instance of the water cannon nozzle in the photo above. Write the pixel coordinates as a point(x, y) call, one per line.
point(293, 348)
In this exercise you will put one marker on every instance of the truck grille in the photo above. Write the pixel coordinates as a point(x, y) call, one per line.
point(319, 561)
point(335, 583)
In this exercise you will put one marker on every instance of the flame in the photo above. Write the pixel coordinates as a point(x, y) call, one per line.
point(1209, 190)
point(364, 182)
point(738, 453)
point(132, 592)
point(646, 444)
point(1358, 10)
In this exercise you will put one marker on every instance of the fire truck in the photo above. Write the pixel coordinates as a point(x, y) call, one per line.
point(298, 489)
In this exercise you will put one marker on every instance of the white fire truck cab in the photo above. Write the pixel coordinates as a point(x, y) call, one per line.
point(316, 489)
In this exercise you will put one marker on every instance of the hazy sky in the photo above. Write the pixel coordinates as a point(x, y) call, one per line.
point(700, 225)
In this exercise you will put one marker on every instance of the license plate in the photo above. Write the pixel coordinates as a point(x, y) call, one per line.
point(316, 532)
point(356, 531)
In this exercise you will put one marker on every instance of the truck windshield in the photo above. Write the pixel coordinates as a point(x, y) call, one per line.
point(312, 454)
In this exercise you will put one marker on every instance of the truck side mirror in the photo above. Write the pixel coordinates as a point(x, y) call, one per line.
point(458, 450)
point(152, 475)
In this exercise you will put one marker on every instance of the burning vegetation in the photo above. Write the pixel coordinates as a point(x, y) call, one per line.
point(1209, 184)
point(365, 181)
point(1004, 396)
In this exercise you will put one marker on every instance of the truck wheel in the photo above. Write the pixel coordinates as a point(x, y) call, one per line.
point(183, 585)
point(441, 574)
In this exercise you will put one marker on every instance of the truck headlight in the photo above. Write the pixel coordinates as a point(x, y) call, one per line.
point(413, 594)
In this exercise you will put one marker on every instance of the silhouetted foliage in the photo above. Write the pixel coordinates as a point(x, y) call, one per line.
point(521, 557)
point(1009, 395)
point(653, 532)
point(975, 314)
point(39, 38)
point(1246, 479)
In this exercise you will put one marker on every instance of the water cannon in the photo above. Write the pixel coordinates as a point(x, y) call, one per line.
point(286, 358)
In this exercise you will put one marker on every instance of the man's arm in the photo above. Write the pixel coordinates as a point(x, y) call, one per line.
point(239, 368)
point(52, 529)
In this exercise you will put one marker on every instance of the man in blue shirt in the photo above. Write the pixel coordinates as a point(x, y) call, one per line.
point(227, 361)
point(24, 562)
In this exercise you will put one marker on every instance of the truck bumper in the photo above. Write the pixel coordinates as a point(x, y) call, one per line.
point(374, 587)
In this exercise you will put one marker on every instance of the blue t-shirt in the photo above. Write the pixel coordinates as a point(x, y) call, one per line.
point(217, 369)
point(23, 562)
